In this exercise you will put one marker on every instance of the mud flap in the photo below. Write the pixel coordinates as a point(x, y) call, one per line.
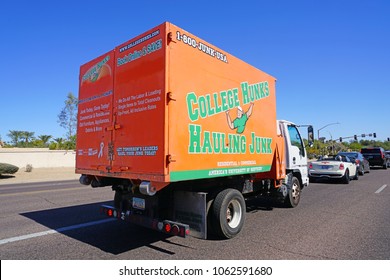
point(190, 209)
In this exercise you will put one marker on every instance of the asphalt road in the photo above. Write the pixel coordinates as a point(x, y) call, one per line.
point(61, 220)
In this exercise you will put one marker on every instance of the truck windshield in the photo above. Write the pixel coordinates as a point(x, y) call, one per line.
point(296, 139)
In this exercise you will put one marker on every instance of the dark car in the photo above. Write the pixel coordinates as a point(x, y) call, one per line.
point(376, 156)
point(362, 163)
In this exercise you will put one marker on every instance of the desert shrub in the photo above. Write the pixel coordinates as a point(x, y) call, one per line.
point(6, 168)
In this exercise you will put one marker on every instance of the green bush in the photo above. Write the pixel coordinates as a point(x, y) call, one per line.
point(6, 168)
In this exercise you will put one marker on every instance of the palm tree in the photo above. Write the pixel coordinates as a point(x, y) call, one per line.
point(28, 136)
point(15, 136)
point(44, 139)
point(60, 142)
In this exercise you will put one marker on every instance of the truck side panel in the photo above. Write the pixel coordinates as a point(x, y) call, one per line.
point(209, 135)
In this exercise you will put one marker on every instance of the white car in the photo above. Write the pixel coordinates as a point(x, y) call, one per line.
point(336, 167)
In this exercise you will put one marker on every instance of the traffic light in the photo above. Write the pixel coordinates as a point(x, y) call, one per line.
point(341, 139)
point(374, 134)
point(310, 133)
point(355, 137)
point(388, 138)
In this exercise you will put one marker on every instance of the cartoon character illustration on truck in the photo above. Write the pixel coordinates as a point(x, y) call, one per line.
point(242, 117)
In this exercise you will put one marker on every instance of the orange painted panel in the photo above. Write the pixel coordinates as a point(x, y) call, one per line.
point(223, 119)
point(95, 113)
point(139, 104)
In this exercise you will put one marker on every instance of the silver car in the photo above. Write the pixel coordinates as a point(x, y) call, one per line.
point(335, 167)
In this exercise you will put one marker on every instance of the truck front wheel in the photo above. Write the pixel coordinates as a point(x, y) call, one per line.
point(294, 193)
point(228, 213)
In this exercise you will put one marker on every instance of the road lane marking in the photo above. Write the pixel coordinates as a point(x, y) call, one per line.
point(52, 231)
point(31, 185)
point(381, 189)
point(42, 191)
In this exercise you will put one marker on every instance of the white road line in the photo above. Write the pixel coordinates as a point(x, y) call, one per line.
point(381, 189)
point(41, 191)
point(62, 229)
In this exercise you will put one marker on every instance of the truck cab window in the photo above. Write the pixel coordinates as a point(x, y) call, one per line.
point(295, 139)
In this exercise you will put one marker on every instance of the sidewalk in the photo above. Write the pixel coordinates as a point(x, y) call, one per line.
point(40, 175)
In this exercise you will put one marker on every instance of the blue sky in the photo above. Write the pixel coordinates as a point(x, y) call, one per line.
point(331, 58)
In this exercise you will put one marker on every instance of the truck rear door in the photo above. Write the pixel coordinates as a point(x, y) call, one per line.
point(95, 113)
point(139, 109)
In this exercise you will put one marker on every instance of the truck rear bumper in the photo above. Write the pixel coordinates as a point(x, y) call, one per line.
point(166, 226)
point(327, 175)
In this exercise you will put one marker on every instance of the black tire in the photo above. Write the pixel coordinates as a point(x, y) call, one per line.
point(294, 194)
point(356, 175)
point(228, 213)
point(346, 179)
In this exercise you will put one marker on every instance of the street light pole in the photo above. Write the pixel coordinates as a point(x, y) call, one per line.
point(318, 131)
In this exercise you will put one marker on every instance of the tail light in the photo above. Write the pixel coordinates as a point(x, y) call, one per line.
point(341, 166)
point(167, 228)
point(311, 166)
point(357, 162)
point(173, 228)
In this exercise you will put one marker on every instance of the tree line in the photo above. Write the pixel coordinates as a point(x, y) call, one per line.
point(67, 119)
point(27, 139)
point(332, 147)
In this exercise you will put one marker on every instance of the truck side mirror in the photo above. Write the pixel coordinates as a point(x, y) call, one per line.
point(310, 133)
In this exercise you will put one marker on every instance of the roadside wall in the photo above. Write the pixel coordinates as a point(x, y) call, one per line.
point(37, 157)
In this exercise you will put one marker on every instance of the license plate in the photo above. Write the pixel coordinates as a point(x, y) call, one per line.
point(138, 203)
point(326, 167)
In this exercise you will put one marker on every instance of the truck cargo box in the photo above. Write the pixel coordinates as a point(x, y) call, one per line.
point(168, 106)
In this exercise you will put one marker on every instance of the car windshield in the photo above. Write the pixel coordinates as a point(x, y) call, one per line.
point(354, 155)
point(334, 158)
point(368, 151)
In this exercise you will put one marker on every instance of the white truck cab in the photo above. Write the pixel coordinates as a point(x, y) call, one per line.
point(296, 155)
point(295, 160)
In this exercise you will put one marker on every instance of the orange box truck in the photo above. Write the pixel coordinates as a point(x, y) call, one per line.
point(184, 133)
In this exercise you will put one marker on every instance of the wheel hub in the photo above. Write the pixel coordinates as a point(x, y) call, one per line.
point(233, 214)
point(295, 191)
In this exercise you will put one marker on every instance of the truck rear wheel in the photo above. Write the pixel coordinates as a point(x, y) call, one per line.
point(228, 213)
point(294, 193)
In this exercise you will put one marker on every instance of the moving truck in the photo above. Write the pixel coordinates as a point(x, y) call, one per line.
point(184, 133)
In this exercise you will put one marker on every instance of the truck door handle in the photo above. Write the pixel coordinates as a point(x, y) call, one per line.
point(294, 159)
